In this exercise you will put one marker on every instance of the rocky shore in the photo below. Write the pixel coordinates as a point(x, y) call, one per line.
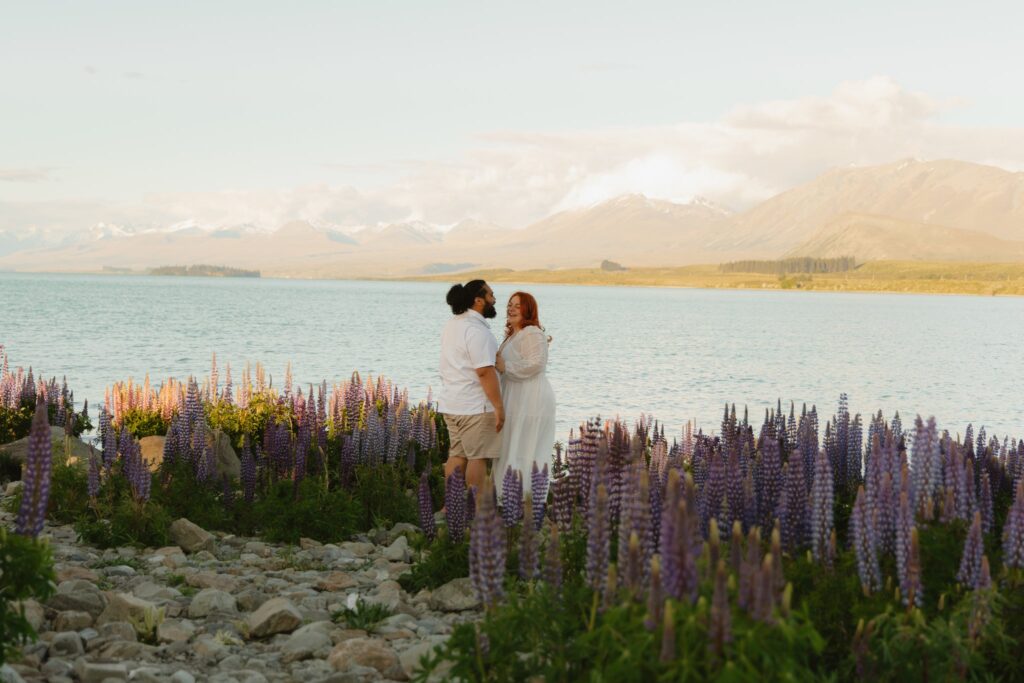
point(226, 609)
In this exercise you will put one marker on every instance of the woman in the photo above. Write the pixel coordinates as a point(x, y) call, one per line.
point(529, 433)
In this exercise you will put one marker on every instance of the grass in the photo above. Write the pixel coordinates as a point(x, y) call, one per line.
point(921, 277)
point(366, 615)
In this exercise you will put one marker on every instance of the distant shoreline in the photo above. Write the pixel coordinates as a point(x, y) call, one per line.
point(883, 277)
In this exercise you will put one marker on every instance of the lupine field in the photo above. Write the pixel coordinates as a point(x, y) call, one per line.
point(796, 546)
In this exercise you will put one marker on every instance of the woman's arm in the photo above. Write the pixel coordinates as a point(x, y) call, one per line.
point(533, 349)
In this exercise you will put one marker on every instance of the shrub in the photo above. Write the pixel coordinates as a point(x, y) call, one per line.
point(437, 564)
point(364, 615)
point(385, 494)
point(287, 513)
point(126, 523)
point(236, 422)
point(142, 423)
point(26, 572)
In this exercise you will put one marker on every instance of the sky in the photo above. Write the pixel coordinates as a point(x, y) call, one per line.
point(359, 113)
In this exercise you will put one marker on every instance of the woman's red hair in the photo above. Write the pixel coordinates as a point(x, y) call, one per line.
point(528, 311)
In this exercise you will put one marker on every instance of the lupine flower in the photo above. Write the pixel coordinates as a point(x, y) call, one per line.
point(205, 467)
point(970, 562)
point(94, 476)
point(985, 576)
point(821, 508)
point(511, 497)
point(36, 480)
point(736, 548)
point(487, 550)
point(655, 597)
point(455, 504)
point(109, 437)
point(611, 588)
point(720, 628)
point(764, 591)
point(915, 590)
point(770, 479)
point(633, 567)
point(985, 506)
point(792, 511)
point(598, 538)
point(539, 493)
point(634, 517)
point(668, 634)
point(553, 559)
point(563, 501)
point(426, 506)
point(248, 472)
point(1013, 530)
point(528, 559)
point(864, 545)
point(749, 568)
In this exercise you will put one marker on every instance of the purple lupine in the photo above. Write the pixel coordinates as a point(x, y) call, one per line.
point(734, 488)
point(985, 503)
point(821, 508)
point(720, 627)
point(634, 517)
point(714, 490)
point(511, 497)
point(93, 481)
point(792, 511)
point(487, 550)
point(205, 467)
point(109, 438)
point(539, 494)
point(668, 635)
point(655, 596)
point(426, 506)
point(915, 589)
point(248, 472)
point(563, 500)
point(926, 464)
point(36, 481)
point(769, 477)
point(905, 531)
point(864, 544)
point(656, 503)
point(667, 536)
point(553, 559)
point(1013, 530)
point(598, 538)
point(528, 543)
point(750, 566)
point(970, 562)
point(455, 504)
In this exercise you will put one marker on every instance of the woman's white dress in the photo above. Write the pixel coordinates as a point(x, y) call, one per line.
point(529, 432)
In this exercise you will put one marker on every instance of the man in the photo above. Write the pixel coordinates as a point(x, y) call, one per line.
point(470, 398)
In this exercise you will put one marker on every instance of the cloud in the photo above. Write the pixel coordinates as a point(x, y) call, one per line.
point(25, 175)
point(134, 74)
point(607, 67)
point(515, 177)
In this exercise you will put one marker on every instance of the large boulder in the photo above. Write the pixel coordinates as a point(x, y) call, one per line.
point(277, 615)
point(369, 652)
point(455, 596)
point(125, 607)
point(191, 537)
point(79, 450)
point(227, 461)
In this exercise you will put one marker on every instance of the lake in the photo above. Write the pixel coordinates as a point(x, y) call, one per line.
point(677, 354)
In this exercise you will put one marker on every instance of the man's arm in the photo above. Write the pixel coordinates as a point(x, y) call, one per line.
point(489, 381)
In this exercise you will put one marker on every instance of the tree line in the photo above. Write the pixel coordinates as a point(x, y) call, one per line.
point(786, 266)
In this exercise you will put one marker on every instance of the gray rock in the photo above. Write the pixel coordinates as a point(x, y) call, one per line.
point(175, 630)
point(118, 630)
point(78, 595)
point(35, 615)
point(398, 551)
point(277, 615)
point(56, 667)
point(401, 529)
point(125, 607)
point(307, 641)
point(250, 599)
point(72, 620)
point(67, 644)
point(209, 601)
point(181, 676)
point(410, 657)
point(455, 596)
point(120, 570)
point(191, 537)
point(7, 674)
point(98, 672)
point(370, 652)
point(153, 451)
point(80, 451)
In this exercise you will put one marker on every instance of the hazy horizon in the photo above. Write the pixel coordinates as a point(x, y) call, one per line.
point(361, 114)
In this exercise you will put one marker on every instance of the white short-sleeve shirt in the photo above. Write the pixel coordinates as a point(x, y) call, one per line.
point(466, 345)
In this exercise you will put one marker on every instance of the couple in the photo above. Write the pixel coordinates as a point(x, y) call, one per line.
point(496, 401)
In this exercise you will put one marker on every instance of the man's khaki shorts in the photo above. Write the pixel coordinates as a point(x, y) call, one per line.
point(473, 437)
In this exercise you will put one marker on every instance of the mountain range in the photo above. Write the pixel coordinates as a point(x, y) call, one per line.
point(907, 210)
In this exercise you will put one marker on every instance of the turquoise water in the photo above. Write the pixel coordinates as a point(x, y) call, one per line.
point(677, 354)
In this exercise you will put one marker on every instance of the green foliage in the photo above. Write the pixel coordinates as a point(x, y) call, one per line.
point(563, 637)
point(236, 422)
point(142, 423)
point(437, 564)
point(175, 487)
point(125, 523)
point(365, 615)
point(385, 494)
point(69, 498)
point(26, 572)
point(286, 513)
point(15, 422)
point(10, 468)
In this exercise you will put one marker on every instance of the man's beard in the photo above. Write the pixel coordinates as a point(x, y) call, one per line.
point(490, 311)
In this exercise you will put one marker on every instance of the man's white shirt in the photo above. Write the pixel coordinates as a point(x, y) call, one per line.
point(467, 344)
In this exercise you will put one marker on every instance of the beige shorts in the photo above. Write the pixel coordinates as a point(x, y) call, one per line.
point(473, 437)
